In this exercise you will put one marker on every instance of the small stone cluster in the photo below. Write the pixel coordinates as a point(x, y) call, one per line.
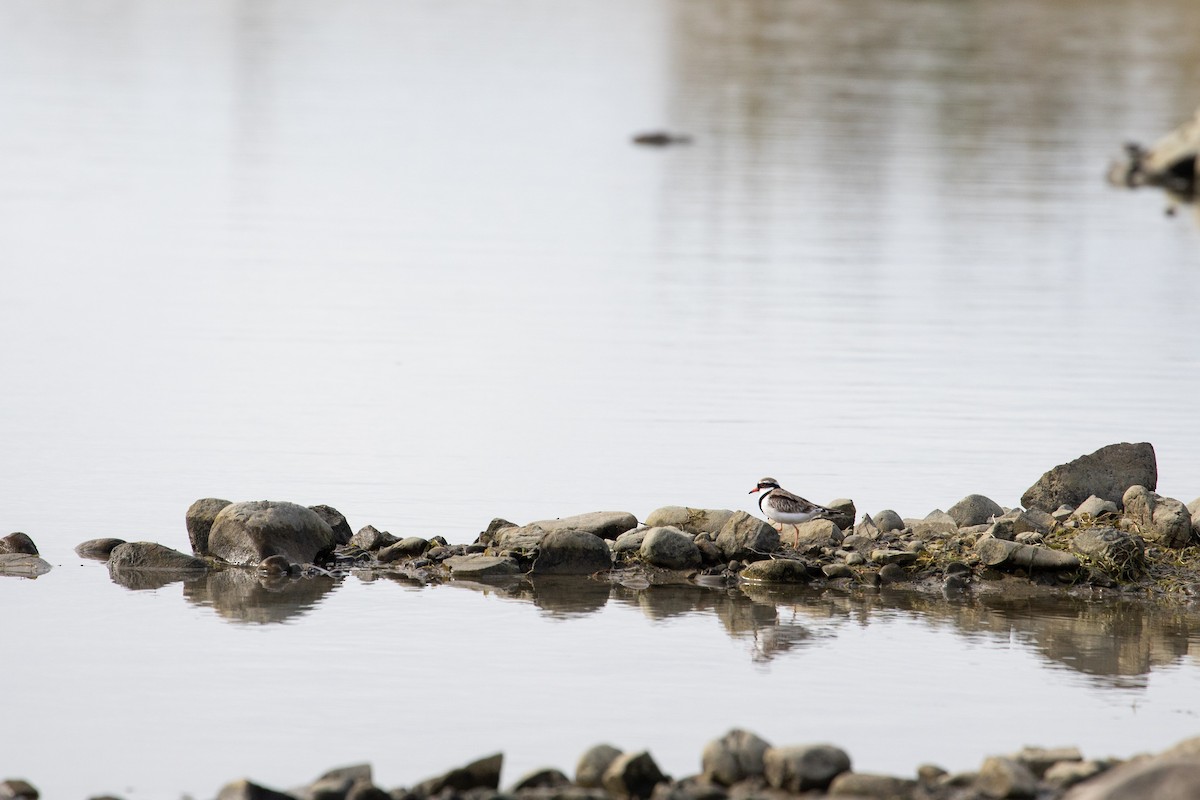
point(741, 766)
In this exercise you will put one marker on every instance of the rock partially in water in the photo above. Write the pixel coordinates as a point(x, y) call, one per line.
point(734, 757)
point(746, 538)
point(98, 549)
point(199, 520)
point(481, 774)
point(247, 790)
point(1106, 473)
point(152, 557)
point(590, 769)
point(23, 565)
point(690, 520)
point(246, 533)
point(18, 543)
point(605, 524)
point(336, 522)
point(477, 566)
point(974, 509)
point(407, 548)
point(776, 570)
point(571, 552)
point(670, 548)
point(632, 775)
point(1162, 520)
point(803, 767)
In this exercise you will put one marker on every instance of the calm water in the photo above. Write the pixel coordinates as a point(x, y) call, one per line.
point(401, 258)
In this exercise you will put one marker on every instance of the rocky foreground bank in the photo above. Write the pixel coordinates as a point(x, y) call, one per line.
point(1094, 524)
point(742, 766)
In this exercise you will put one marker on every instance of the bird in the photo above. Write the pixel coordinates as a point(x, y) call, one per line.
point(781, 506)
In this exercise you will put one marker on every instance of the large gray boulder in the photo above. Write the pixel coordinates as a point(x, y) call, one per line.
point(152, 557)
point(246, 533)
point(690, 520)
point(571, 552)
point(813, 535)
point(804, 767)
point(477, 566)
point(199, 519)
point(1106, 473)
point(1162, 520)
point(975, 509)
point(734, 757)
point(1163, 778)
point(670, 548)
point(746, 538)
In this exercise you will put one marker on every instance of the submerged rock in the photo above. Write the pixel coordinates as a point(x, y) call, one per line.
point(1106, 473)
point(478, 566)
point(152, 557)
point(23, 565)
point(246, 533)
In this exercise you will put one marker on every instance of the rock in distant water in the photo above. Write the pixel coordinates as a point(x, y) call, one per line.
point(151, 557)
point(746, 538)
point(571, 552)
point(1106, 473)
point(18, 543)
point(23, 565)
point(670, 548)
point(690, 520)
point(99, 549)
point(1162, 520)
point(481, 774)
point(199, 519)
point(336, 521)
point(246, 533)
point(247, 790)
point(632, 775)
point(589, 771)
point(734, 757)
point(804, 767)
point(975, 509)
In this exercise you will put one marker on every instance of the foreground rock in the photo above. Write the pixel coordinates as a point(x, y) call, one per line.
point(1162, 520)
point(571, 552)
point(247, 533)
point(199, 521)
point(746, 538)
point(670, 548)
point(1106, 473)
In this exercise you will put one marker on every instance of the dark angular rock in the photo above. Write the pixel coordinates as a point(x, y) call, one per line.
point(1106, 473)
point(670, 548)
point(245, 790)
point(98, 549)
point(589, 771)
point(804, 767)
point(15, 788)
point(746, 538)
point(844, 512)
point(371, 538)
point(18, 543)
point(541, 779)
point(199, 520)
point(571, 552)
point(632, 775)
point(481, 774)
point(246, 533)
point(734, 757)
point(336, 522)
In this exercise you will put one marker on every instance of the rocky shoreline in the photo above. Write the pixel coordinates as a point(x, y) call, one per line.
point(742, 766)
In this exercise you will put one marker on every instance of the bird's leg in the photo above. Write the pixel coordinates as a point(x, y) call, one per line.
point(797, 545)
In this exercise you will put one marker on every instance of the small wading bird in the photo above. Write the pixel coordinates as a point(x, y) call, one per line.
point(783, 507)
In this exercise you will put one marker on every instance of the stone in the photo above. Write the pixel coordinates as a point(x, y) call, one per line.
point(407, 548)
point(1162, 778)
point(1010, 556)
point(1106, 473)
point(835, 571)
point(481, 774)
point(1066, 774)
point(1040, 759)
point(246, 790)
point(629, 543)
point(23, 565)
point(337, 784)
point(776, 570)
point(811, 536)
point(929, 773)
point(15, 788)
point(888, 520)
point(98, 549)
point(1117, 553)
point(1001, 777)
point(1093, 507)
point(691, 788)
point(734, 757)
point(246, 533)
point(589, 770)
point(604, 524)
point(709, 554)
point(1063, 512)
point(18, 543)
point(523, 539)
point(365, 790)
point(746, 538)
point(371, 539)
point(152, 557)
point(974, 509)
point(886, 556)
point(477, 566)
point(336, 522)
point(632, 775)
point(865, 785)
point(1162, 520)
point(571, 552)
point(544, 778)
point(1031, 519)
point(1194, 508)
point(936, 524)
point(867, 529)
point(844, 512)
point(892, 573)
point(803, 767)
point(199, 519)
point(690, 520)
point(670, 548)
point(1029, 537)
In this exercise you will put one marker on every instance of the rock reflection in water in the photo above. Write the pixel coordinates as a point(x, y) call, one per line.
point(245, 596)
